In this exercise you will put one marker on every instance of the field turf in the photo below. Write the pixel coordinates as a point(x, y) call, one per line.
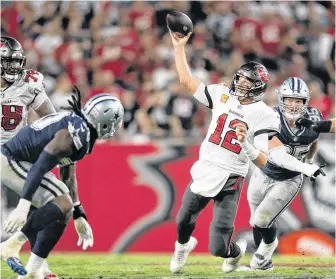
point(90, 265)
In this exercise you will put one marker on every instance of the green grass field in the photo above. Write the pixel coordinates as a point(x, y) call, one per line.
point(157, 266)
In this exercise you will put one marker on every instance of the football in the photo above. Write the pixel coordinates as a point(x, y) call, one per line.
point(180, 23)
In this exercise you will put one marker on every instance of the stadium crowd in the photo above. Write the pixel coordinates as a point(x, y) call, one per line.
point(123, 48)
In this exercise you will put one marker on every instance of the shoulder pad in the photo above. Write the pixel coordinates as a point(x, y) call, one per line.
point(34, 80)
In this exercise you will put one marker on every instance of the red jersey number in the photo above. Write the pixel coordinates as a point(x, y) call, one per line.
point(31, 74)
point(229, 136)
point(11, 117)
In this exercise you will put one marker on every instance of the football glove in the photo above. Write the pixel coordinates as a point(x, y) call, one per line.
point(313, 171)
point(84, 232)
point(18, 217)
point(323, 126)
point(307, 123)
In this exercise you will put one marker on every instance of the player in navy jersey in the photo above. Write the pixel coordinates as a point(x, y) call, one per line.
point(26, 161)
point(272, 188)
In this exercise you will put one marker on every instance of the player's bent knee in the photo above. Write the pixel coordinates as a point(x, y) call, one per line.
point(64, 202)
point(216, 250)
point(261, 221)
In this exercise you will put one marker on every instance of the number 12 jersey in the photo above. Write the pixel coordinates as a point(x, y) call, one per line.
point(221, 147)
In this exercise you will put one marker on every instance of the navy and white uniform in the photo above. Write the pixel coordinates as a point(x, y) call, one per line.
point(22, 151)
point(272, 188)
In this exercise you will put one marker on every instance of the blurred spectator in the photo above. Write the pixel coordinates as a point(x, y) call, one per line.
point(131, 106)
point(181, 109)
point(123, 48)
point(319, 100)
point(220, 22)
point(62, 93)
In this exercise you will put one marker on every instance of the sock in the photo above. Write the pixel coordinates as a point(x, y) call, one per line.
point(47, 239)
point(34, 263)
point(184, 232)
point(268, 234)
point(257, 237)
point(20, 236)
point(41, 218)
point(32, 236)
point(234, 250)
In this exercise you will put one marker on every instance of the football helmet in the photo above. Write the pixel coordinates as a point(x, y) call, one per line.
point(105, 113)
point(13, 59)
point(258, 78)
point(293, 87)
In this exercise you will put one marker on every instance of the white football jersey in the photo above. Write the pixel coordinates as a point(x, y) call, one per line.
point(16, 99)
point(221, 147)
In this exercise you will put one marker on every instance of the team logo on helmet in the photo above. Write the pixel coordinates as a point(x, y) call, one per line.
point(264, 76)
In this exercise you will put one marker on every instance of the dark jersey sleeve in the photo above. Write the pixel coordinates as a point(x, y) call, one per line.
point(79, 131)
point(314, 114)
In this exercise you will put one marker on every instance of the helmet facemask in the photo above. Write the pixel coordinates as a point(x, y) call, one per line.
point(243, 87)
point(293, 110)
point(11, 68)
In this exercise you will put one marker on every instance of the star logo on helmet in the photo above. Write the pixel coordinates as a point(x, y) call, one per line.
point(264, 76)
point(1, 45)
point(116, 116)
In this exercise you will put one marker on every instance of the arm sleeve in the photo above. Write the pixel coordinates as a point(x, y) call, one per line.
point(261, 142)
point(37, 89)
point(209, 95)
point(269, 124)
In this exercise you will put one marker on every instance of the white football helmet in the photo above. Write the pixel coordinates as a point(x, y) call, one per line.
point(105, 113)
point(293, 87)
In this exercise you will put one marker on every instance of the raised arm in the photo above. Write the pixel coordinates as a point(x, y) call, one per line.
point(181, 63)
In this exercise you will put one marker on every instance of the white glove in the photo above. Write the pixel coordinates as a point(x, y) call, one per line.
point(18, 217)
point(313, 170)
point(84, 232)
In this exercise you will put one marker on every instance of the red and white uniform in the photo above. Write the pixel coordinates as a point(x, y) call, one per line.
point(28, 91)
point(220, 152)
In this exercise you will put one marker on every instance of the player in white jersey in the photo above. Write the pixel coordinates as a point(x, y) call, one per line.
point(239, 131)
point(272, 188)
point(21, 90)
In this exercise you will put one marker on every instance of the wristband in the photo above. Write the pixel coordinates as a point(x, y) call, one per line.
point(79, 212)
point(251, 152)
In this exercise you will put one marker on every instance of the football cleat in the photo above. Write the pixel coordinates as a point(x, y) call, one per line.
point(9, 252)
point(262, 258)
point(231, 264)
point(16, 265)
point(181, 253)
point(47, 273)
point(260, 262)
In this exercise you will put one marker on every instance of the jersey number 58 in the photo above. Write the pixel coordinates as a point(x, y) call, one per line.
point(228, 137)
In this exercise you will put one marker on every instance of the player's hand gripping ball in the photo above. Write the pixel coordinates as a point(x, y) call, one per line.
point(179, 23)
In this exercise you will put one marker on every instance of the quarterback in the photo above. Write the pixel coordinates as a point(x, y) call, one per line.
point(242, 128)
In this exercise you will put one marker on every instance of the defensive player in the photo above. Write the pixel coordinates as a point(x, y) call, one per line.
point(59, 138)
point(21, 89)
point(224, 156)
point(272, 188)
